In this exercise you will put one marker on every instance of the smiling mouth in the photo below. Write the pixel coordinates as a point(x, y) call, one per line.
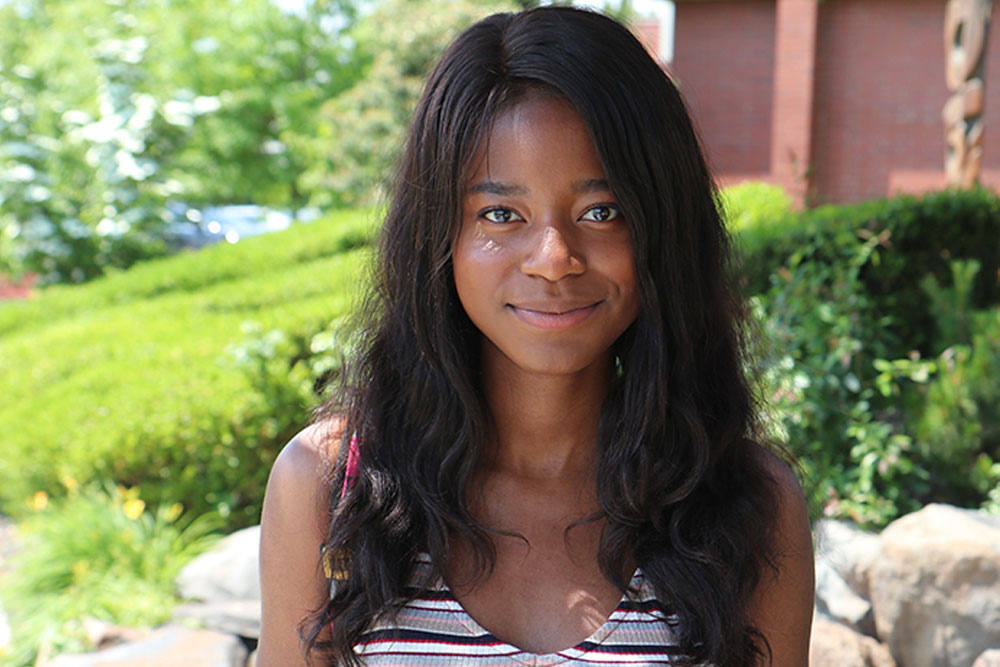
point(554, 319)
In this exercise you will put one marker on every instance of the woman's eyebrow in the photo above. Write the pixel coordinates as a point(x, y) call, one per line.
point(504, 189)
point(495, 188)
point(590, 185)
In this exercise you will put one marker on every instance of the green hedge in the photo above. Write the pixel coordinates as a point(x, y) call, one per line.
point(880, 352)
point(757, 215)
point(918, 236)
point(133, 378)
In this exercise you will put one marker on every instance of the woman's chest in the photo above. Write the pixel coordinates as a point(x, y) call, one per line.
point(540, 601)
point(434, 628)
point(545, 591)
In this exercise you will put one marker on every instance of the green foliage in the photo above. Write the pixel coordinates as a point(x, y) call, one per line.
point(80, 193)
point(110, 109)
point(817, 318)
point(951, 306)
point(958, 427)
point(754, 209)
point(141, 372)
point(364, 126)
point(921, 236)
point(102, 554)
point(880, 428)
point(757, 216)
point(271, 72)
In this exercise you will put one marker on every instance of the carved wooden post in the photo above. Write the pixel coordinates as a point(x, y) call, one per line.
point(966, 26)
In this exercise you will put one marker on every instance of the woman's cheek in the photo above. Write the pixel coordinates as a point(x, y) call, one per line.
point(483, 247)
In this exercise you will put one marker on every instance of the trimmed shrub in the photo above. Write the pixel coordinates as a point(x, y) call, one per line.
point(819, 355)
point(133, 377)
point(886, 394)
point(757, 215)
point(917, 236)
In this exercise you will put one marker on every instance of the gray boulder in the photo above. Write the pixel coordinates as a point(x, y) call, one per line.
point(850, 551)
point(935, 589)
point(167, 647)
point(834, 598)
point(4, 630)
point(238, 617)
point(989, 658)
point(836, 645)
point(227, 572)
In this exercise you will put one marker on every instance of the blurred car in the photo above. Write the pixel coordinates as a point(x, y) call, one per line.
point(195, 228)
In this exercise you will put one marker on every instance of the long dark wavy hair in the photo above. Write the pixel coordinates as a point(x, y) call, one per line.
point(680, 481)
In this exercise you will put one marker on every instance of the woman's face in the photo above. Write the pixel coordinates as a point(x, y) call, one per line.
point(543, 261)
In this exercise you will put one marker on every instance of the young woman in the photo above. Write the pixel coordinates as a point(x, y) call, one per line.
point(545, 451)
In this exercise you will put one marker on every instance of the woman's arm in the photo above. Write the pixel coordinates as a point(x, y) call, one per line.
point(293, 525)
point(782, 605)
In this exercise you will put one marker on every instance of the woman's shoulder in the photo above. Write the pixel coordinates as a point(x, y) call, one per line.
point(294, 523)
point(783, 601)
point(298, 488)
point(781, 472)
point(309, 456)
point(790, 512)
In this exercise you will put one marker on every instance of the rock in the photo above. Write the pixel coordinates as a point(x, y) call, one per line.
point(836, 645)
point(227, 572)
point(935, 590)
point(167, 647)
point(4, 630)
point(989, 658)
point(7, 549)
point(102, 635)
point(834, 598)
point(850, 551)
point(238, 617)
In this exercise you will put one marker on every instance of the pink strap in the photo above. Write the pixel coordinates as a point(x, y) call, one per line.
point(351, 470)
point(333, 566)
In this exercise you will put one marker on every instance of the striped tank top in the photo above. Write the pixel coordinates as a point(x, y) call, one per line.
point(435, 630)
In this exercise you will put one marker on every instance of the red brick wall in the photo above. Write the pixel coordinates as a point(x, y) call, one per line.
point(724, 65)
point(991, 111)
point(878, 93)
point(794, 83)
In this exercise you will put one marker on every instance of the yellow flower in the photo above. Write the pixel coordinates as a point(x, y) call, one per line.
point(70, 483)
point(173, 512)
point(80, 569)
point(39, 501)
point(133, 508)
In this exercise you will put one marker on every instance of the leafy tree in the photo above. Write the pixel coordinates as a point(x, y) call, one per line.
point(81, 187)
point(271, 71)
point(111, 108)
point(363, 127)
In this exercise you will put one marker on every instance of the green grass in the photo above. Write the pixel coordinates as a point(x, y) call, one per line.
point(128, 378)
point(97, 554)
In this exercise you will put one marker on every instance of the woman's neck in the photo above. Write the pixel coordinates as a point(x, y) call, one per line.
point(545, 425)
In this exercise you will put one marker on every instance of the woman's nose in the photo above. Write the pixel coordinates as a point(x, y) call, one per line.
point(552, 256)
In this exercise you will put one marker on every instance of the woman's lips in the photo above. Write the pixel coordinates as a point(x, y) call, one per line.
point(553, 317)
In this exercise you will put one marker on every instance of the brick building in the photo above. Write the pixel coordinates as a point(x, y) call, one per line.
point(836, 101)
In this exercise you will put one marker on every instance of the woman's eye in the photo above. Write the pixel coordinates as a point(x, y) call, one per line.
point(500, 215)
point(603, 213)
